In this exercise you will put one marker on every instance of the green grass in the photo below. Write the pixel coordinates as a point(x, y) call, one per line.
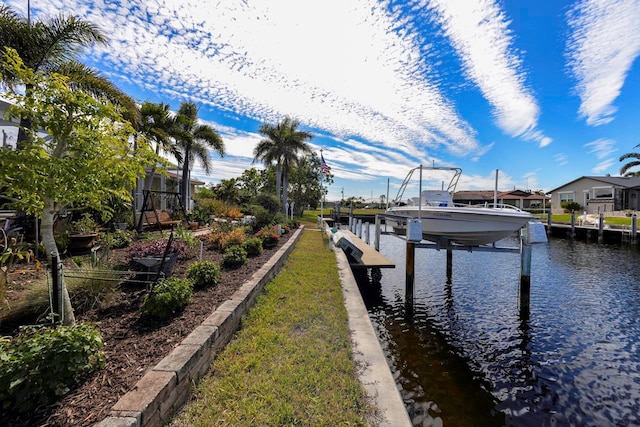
point(566, 219)
point(291, 363)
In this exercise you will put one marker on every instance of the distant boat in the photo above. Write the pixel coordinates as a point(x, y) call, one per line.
point(445, 222)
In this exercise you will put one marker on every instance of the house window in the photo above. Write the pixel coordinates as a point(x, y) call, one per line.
point(603, 192)
point(567, 197)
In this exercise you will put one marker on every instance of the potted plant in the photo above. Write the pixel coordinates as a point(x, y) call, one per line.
point(83, 233)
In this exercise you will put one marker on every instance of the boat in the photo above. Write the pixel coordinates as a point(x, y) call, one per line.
point(445, 222)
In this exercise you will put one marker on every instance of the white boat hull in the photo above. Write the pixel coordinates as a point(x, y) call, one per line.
point(468, 226)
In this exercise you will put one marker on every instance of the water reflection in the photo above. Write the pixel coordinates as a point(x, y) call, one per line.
point(468, 355)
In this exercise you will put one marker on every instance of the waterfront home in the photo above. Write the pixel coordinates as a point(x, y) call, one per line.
point(596, 194)
point(524, 200)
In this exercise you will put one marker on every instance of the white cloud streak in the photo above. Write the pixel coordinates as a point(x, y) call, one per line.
point(602, 149)
point(604, 43)
point(358, 77)
point(479, 32)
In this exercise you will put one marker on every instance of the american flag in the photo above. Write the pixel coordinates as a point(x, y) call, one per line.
point(325, 168)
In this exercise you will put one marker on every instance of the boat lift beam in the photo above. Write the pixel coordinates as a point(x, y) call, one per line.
point(524, 249)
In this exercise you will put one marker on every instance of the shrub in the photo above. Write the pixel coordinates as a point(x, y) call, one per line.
point(204, 273)
point(42, 363)
point(234, 257)
point(571, 206)
point(269, 236)
point(270, 202)
point(262, 216)
point(167, 297)
point(118, 239)
point(253, 246)
point(221, 239)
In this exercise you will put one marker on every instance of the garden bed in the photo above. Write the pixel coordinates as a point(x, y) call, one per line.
point(132, 344)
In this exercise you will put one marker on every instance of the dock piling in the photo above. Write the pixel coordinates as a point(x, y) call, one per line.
point(525, 276)
point(634, 228)
point(601, 228)
point(410, 276)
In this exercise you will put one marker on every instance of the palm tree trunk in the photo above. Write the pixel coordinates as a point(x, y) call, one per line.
point(285, 190)
point(278, 182)
point(185, 176)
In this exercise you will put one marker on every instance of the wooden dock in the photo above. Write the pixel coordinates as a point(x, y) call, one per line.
point(360, 254)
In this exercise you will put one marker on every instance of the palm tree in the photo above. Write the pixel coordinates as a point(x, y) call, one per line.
point(53, 45)
point(282, 145)
point(624, 170)
point(194, 141)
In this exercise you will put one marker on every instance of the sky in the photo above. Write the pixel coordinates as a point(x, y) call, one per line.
point(542, 91)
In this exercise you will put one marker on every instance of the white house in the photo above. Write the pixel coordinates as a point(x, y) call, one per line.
point(598, 194)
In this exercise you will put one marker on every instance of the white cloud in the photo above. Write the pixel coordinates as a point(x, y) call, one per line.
point(561, 159)
point(480, 34)
point(362, 76)
point(603, 46)
point(602, 149)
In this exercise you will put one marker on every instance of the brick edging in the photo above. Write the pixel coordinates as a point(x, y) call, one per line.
point(166, 387)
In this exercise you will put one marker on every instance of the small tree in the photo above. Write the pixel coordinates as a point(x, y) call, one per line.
point(85, 159)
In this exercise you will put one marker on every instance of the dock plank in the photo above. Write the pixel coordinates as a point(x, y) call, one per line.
point(370, 257)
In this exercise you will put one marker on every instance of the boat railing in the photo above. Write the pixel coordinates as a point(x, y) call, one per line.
point(492, 205)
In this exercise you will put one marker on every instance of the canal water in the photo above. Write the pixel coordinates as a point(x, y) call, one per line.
point(465, 355)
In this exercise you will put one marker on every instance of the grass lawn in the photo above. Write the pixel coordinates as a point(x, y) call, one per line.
point(291, 362)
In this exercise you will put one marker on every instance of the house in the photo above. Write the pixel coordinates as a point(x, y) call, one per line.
point(598, 194)
point(521, 199)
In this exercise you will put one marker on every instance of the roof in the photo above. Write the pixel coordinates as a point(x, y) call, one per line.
point(487, 195)
point(618, 181)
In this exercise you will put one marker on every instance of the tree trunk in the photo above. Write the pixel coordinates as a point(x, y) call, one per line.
point(285, 191)
point(278, 180)
point(49, 243)
point(185, 177)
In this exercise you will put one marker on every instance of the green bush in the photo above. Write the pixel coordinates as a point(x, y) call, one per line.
point(118, 239)
point(167, 297)
point(253, 246)
point(42, 363)
point(571, 206)
point(262, 216)
point(204, 273)
point(234, 257)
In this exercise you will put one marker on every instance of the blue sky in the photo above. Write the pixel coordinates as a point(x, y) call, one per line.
point(543, 91)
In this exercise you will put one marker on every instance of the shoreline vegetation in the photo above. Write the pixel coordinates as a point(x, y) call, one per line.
point(291, 362)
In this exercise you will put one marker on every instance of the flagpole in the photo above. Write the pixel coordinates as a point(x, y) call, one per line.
point(321, 195)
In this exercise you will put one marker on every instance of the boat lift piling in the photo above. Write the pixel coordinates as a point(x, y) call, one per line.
point(532, 233)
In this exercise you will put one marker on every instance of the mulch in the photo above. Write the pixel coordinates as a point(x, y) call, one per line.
point(133, 345)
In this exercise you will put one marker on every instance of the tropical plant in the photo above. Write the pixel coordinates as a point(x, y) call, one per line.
point(167, 297)
point(68, 169)
point(624, 170)
point(220, 239)
point(253, 246)
point(204, 273)
point(234, 257)
point(83, 225)
point(269, 235)
point(118, 239)
point(194, 140)
point(41, 363)
point(282, 145)
point(52, 45)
